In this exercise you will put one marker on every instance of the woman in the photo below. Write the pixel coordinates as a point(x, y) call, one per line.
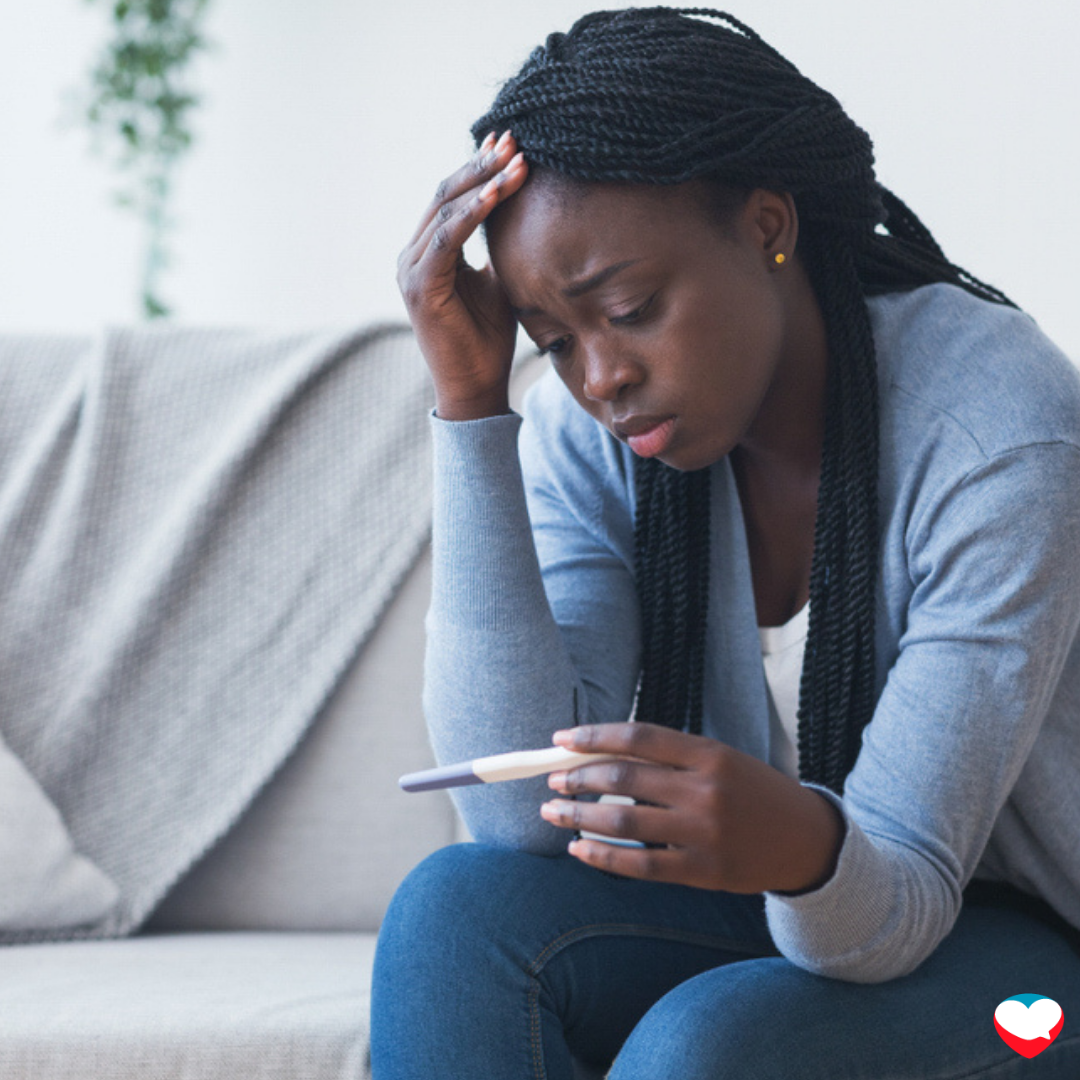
point(802, 500)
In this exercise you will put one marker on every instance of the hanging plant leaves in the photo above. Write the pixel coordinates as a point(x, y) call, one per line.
point(139, 110)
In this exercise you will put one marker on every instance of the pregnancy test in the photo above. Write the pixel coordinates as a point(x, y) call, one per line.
point(518, 765)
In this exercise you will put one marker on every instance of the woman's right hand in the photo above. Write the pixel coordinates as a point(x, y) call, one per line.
point(461, 315)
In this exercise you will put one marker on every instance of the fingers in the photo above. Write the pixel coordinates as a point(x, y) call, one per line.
point(489, 162)
point(648, 824)
point(662, 796)
point(645, 782)
point(669, 854)
point(647, 864)
point(650, 742)
point(434, 259)
point(457, 219)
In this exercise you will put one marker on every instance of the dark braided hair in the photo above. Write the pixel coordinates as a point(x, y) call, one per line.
point(666, 95)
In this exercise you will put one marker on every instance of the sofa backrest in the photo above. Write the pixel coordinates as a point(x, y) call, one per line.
point(327, 841)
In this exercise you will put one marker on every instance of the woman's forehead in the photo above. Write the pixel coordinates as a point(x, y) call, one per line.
point(563, 227)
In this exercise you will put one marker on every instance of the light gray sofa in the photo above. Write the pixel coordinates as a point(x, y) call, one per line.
point(257, 964)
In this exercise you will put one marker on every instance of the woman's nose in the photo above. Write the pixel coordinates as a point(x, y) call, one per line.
point(607, 374)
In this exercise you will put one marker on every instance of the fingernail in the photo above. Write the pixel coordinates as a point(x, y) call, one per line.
point(489, 141)
point(557, 780)
point(549, 811)
point(515, 162)
point(500, 147)
point(563, 738)
point(489, 189)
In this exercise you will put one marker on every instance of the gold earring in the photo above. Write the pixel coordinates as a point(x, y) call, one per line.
point(780, 258)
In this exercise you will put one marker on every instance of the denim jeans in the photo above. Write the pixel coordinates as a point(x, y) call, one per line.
point(500, 965)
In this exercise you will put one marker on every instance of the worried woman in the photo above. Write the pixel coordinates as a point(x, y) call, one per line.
point(800, 499)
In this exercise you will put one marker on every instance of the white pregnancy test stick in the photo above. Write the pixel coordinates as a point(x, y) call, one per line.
point(517, 765)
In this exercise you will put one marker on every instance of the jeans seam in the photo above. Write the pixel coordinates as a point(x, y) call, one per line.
point(539, 1070)
point(709, 941)
point(591, 930)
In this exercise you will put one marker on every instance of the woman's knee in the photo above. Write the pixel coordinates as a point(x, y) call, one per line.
point(763, 1018)
point(474, 892)
point(453, 885)
point(769, 1019)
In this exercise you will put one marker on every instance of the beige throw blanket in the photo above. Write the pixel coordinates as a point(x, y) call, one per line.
point(198, 530)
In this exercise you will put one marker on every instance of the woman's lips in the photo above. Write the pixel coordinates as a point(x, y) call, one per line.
point(648, 438)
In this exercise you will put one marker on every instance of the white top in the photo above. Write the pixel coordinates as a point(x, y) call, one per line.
point(782, 649)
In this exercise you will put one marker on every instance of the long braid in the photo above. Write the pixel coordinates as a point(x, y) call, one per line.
point(663, 96)
point(671, 542)
point(836, 694)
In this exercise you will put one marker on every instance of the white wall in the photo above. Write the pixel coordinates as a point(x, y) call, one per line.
point(327, 124)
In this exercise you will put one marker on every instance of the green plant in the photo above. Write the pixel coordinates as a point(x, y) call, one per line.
point(139, 112)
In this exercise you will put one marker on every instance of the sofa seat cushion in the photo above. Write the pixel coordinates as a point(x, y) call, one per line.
point(214, 1006)
point(326, 843)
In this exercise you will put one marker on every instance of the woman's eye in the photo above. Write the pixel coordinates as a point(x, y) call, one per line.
point(631, 317)
point(553, 348)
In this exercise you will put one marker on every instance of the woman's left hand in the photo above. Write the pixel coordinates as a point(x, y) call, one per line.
point(720, 818)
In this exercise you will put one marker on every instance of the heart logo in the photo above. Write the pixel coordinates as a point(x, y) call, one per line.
point(1028, 1023)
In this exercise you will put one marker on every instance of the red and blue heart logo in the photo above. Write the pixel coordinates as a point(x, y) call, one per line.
point(1028, 1023)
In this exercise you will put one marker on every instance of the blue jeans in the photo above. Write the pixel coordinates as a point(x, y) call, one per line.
point(499, 965)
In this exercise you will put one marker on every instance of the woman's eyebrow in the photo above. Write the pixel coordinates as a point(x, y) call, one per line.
point(579, 288)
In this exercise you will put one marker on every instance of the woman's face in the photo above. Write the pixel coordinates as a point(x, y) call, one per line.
point(669, 326)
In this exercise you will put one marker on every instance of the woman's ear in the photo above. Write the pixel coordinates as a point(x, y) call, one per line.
point(774, 224)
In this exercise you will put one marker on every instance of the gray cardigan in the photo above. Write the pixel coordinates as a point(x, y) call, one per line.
point(970, 764)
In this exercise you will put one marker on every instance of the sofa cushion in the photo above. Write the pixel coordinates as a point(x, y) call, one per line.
point(327, 841)
point(236, 1006)
point(187, 1007)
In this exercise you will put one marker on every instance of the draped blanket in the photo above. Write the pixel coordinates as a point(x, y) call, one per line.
point(198, 530)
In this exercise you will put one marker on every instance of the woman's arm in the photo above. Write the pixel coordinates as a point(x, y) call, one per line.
point(503, 670)
point(514, 649)
point(993, 619)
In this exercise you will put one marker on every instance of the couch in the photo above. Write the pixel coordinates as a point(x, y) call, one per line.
point(257, 962)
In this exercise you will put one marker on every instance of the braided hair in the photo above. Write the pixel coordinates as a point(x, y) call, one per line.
point(666, 95)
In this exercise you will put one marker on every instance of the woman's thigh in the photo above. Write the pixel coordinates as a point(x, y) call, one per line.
point(501, 964)
point(767, 1019)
